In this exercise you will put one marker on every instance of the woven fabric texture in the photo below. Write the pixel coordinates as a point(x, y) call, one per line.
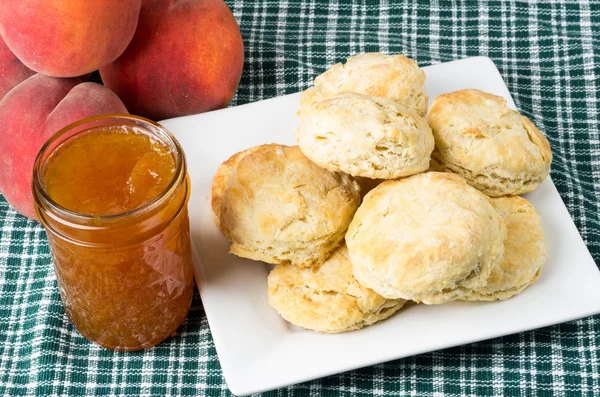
point(549, 55)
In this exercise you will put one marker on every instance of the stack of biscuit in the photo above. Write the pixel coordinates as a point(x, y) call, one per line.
point(440, 218)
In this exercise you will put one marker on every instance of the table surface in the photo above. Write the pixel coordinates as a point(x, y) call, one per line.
point(548, 52)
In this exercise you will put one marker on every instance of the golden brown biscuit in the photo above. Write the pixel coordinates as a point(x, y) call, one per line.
point(425, 238)
point(524, 251)
point(395, 77)
point(328, 298)
point(280, 207)
point(494, 148)
point(221, 179)
point(365, 136)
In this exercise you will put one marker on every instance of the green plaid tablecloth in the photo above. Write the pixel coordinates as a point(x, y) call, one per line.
point(549, 55)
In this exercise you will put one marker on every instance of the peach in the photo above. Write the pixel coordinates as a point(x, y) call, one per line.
point(68, 38)
point(12, 71)
point(186, 57)
point(30, 114)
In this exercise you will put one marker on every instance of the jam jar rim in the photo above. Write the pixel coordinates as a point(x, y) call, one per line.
point(43, 199)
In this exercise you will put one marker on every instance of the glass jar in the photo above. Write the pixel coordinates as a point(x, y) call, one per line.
point(126, 279)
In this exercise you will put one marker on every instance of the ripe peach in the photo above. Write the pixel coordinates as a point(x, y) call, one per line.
point(186, 57)
point(30, 114)
point(12, 71)
point(68, 38)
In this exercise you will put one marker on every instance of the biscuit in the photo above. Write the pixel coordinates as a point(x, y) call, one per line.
point(425, 238)
point(221, 179)
point(365, 136)
point(327, 299)
point(494, 148)
point(280, 207)
point(524, 251)
point(395, 77)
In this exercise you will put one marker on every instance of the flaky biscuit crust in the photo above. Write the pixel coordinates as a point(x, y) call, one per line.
point(280, 207)
point(395, 77)
point(365, 136)
point(524, 251)
point(328, 298)
point(425, 238)
point(221, 179)
point(494, 148)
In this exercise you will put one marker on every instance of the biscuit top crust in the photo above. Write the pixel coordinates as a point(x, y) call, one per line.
point(366, 136)
point(276, 194)
point(424, 235)
point(477, 134)
point(221, 180)
point(524, 247)
point(326, 298)
point(395, 77)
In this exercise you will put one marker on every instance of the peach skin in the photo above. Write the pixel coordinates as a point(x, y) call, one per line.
point(67, 38)
point(186, 57)
point(12, 71)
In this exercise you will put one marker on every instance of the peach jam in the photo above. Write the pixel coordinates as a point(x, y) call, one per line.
point(112, 193)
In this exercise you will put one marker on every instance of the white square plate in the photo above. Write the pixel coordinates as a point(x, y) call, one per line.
point(260, 351)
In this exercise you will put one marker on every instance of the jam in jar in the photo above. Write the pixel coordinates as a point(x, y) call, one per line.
point(112, 193)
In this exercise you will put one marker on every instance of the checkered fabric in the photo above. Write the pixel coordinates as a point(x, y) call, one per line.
point(549, 55)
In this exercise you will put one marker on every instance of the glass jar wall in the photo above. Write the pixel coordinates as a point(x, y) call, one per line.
point(124, 273)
